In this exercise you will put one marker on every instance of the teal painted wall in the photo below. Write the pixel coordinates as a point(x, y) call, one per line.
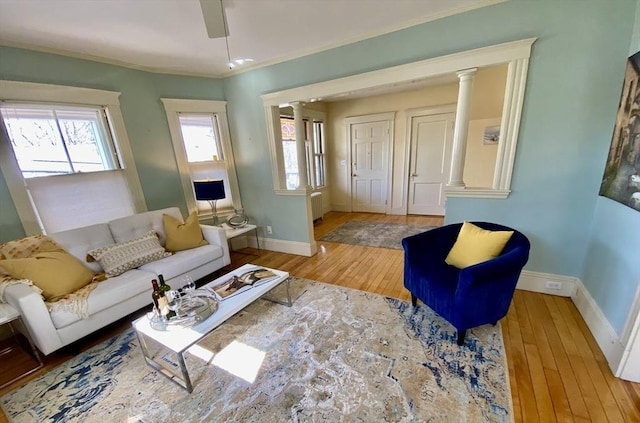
point(611, 270)
point(144, 117)
point(572, 94)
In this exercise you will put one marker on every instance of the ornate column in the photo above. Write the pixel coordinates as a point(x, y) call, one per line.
point(461, 128)
point(300, 146)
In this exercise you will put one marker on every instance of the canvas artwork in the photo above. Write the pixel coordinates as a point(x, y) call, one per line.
point(491, 135)
point(621, 180)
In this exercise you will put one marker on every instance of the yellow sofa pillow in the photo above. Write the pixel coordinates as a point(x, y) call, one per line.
point(475, 245)
point(56, 273)
point(182, 236)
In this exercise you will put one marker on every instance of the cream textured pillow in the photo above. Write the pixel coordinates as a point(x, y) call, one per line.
point(182, 236)
point(56, 273)
point(475, 245)
point(116, 259)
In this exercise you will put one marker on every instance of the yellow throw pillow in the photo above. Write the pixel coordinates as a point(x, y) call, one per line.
point(475, 245)
point(57, 273)
point(182, 236)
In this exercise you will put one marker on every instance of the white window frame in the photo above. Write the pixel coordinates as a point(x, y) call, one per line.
point(173, 107)
point(13, 91)
point(516, 54)
point(310, 117)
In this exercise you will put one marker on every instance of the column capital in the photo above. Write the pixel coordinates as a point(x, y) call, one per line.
point(296, 105)
point(466, 73)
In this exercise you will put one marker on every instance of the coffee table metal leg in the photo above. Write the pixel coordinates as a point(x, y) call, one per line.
point(288, 303)
point(185, 382)
point(257, 240)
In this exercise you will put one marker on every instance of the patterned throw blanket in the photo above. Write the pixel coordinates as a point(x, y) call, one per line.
point(75, 303)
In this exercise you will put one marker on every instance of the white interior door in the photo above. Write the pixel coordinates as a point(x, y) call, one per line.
point(430, 159)
point(370, 163)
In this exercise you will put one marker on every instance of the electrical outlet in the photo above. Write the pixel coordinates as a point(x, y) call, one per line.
point(269, 230)
point(553, 285)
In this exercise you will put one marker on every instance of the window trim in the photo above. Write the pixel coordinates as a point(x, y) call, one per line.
point(174, 106)
point(516, 54)
point(14, 91)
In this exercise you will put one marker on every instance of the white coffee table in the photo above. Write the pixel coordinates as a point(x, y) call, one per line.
point(179, 339)
point(8, 315)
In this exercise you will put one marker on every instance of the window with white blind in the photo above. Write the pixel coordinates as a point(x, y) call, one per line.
point(67, 164)
point(201, 143)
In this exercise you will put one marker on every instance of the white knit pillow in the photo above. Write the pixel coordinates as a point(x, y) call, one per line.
point(116, 259)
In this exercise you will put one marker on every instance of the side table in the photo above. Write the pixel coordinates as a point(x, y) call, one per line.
point(235, 232)
point(8, 315)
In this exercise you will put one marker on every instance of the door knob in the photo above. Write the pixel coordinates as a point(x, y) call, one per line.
point(413, 175)
point(353, 174)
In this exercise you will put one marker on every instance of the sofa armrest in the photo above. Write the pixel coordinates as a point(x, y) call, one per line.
point(217, 236)
point(35, 316)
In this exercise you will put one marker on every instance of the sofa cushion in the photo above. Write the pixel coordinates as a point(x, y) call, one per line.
point(79, 241)
point(475, 245)
point(107, 294)
point(130, 227)
point(183, 236)
point(184, 261)
point(56, 273)
point(116, 259)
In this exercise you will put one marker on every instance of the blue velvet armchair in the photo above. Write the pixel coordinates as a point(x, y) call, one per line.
point(469, 297)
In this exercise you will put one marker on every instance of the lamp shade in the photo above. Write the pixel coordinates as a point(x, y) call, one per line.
point(209, 190)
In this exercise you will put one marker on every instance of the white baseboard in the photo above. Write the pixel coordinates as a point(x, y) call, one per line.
point(604, 334)
point(340, 207)
point(278, 245)
point(536, 282)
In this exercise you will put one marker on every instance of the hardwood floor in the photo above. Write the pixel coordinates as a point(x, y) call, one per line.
point(556, 370)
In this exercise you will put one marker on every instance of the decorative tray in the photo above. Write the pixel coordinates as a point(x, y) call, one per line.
point(194, 309)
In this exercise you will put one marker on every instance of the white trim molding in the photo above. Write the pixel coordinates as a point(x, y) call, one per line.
point(63, 94)
point(516, 54)
point(606, 337)
point(537, 282)
point(282, 246)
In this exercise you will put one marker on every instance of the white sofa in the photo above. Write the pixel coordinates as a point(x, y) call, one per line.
point(119, 296)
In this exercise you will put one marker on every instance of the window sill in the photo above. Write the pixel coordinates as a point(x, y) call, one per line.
point(293, 192)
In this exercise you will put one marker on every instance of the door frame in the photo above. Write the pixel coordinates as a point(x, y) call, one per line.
point(376, 117)
point(410, 114)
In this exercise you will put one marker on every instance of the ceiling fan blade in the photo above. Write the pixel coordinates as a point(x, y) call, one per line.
point(214, 18)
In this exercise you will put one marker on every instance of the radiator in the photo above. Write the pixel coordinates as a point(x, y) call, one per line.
point(316, 205)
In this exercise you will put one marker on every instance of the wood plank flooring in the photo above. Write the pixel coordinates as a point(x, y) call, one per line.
point(557, 373)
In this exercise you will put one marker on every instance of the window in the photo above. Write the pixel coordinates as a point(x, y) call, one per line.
point(315, 151)
point(202, 146)
point(51, 140)
point(66, 157)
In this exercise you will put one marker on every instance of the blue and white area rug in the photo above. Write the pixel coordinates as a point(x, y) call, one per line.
point(337, 355)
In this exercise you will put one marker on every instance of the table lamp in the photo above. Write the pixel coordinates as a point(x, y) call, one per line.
point(211, 191)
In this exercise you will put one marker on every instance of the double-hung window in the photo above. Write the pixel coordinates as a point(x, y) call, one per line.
point(65, 164)
point(201, 143)
point(314, 150)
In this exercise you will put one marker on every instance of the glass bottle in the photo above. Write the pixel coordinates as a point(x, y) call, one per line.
point(166, 288)
point(159, 299)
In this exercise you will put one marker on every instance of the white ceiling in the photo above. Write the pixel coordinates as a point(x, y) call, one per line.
point(169, 36)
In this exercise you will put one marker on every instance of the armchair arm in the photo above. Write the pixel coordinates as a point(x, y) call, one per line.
point(35, 316)
point(215, 235)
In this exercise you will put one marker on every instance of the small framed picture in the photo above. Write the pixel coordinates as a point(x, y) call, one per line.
point(491, 135)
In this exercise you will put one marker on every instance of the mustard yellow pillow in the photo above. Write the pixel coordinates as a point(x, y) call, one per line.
point(56, 273)
point(182, 236)
point(475, 245)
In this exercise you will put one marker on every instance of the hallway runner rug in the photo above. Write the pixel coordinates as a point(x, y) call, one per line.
point(373, 234)
point(337, 355)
